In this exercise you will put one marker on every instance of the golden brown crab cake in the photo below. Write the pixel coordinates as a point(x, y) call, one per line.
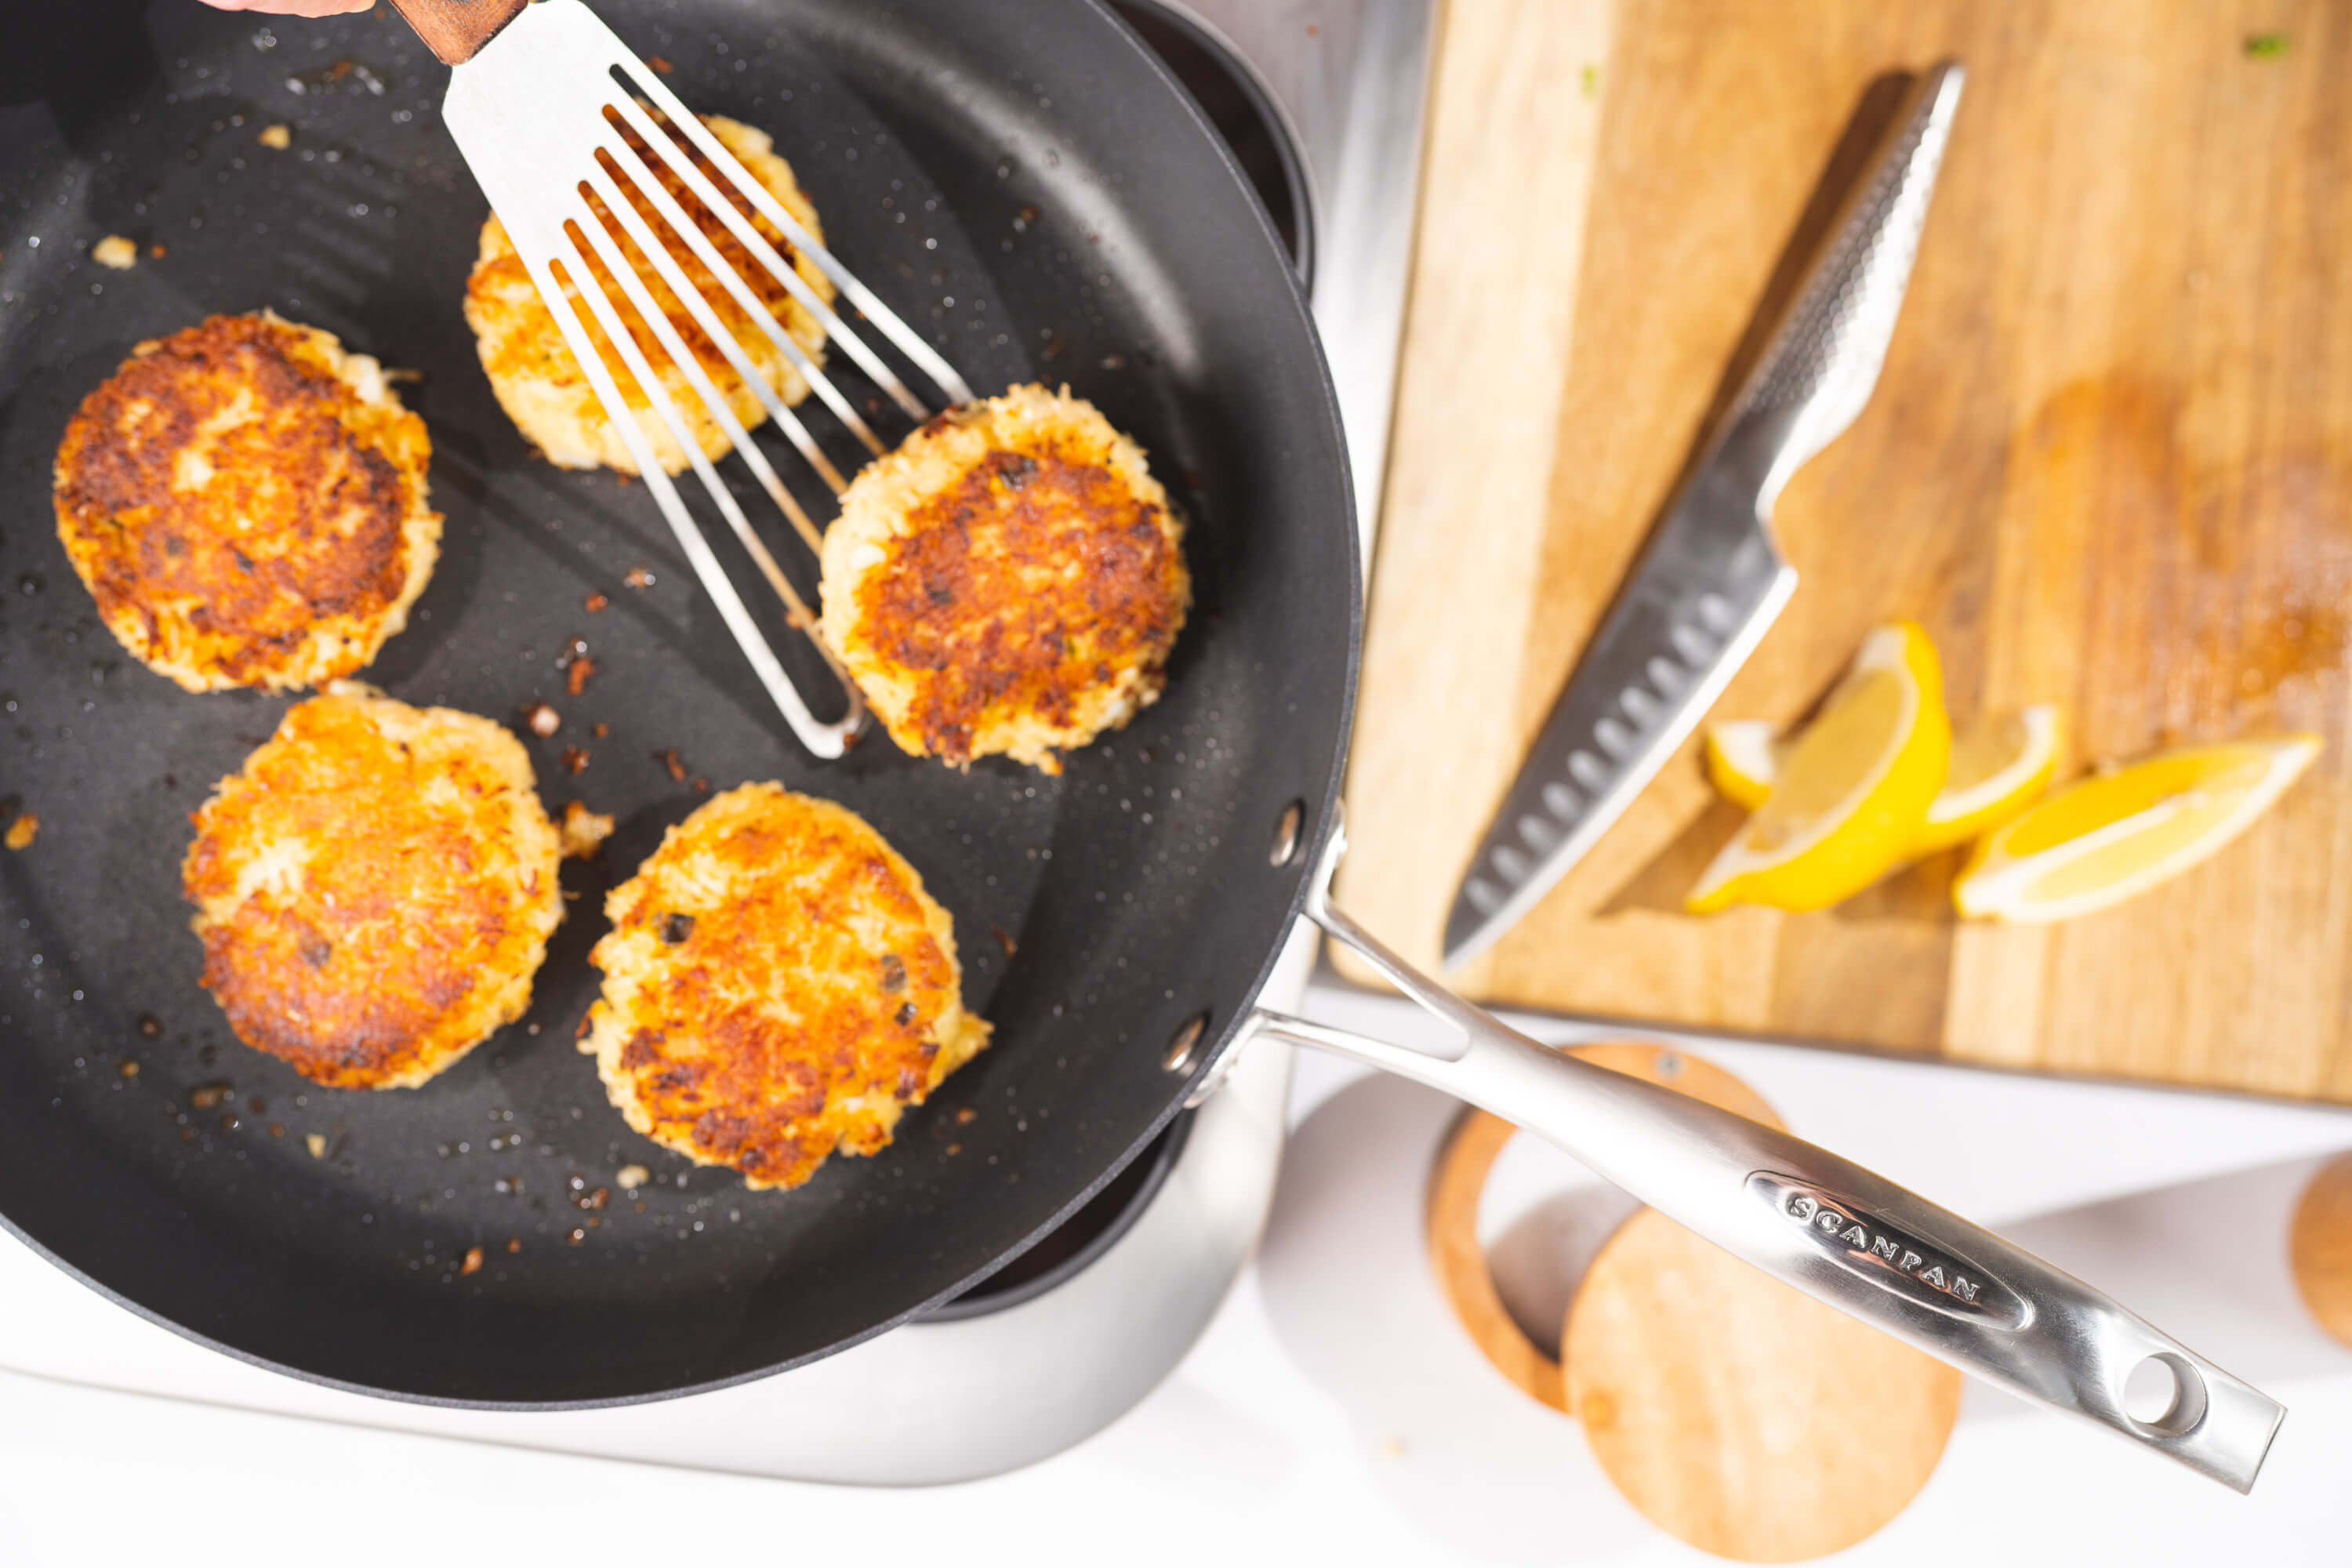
point(541, 385)
point(1010, 580)
point(247, 502)
point(777, 985)
point(375, 888)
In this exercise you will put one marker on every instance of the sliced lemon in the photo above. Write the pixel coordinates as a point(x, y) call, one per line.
point(2096, 843)
point(1743, 758)
point(1851, 794)
point(1998, 765)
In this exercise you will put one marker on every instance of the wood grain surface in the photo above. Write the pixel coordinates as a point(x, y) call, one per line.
point(1743, 1417)
point(2109, 465)
point(2319, 1247)
point(456, 30)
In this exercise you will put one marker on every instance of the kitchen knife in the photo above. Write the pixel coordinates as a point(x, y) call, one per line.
point(1710, 580)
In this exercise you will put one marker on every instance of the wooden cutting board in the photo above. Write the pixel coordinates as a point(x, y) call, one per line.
point(2109, 465)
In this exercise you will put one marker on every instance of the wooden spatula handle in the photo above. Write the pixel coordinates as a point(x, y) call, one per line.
point(457, 29)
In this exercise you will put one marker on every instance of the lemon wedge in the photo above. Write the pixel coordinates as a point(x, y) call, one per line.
point(1853, 791)
point(1743, 758)
point(1998, 765)
point(2096, 843)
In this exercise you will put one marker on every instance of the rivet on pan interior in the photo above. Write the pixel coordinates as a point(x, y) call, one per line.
point(1668, 1065)
point(1286, 835)
point(1178, 1057)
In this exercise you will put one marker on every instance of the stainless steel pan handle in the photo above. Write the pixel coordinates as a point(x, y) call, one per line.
point(1822, 1224)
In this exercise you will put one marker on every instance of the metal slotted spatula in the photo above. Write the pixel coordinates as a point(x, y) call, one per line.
point(563, 125)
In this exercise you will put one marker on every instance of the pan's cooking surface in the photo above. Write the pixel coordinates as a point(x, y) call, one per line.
point(1024, 187)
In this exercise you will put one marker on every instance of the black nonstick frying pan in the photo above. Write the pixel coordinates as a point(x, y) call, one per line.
point(1025, 183)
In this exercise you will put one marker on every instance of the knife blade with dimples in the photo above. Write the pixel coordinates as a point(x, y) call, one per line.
point(1710, 580)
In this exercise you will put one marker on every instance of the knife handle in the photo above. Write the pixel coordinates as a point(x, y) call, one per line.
point(1824, 352)
point(1833, 1230)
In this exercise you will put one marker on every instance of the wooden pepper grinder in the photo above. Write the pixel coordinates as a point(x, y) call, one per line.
point(1734, 1412)
point(2319, 1246)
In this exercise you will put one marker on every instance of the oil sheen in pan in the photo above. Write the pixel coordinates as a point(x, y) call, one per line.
point(365, 225)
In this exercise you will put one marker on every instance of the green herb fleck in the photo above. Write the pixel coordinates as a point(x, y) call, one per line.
point(2265, 46)
point(1589, 78)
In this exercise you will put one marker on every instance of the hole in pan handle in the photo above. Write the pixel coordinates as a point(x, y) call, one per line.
point(1818, 1222)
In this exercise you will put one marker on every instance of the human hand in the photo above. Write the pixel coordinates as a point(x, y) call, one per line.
point(293, 8)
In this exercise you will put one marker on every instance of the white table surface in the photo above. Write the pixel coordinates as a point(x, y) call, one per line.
point(1330, 1415)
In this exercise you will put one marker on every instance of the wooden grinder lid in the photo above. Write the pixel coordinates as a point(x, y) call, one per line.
point(1744, 1417)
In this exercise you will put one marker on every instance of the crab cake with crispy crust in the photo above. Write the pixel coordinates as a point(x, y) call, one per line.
point(777, 985)
point(246, 503)
point(1010, 580)
point(375, 888)
point(541, 385)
